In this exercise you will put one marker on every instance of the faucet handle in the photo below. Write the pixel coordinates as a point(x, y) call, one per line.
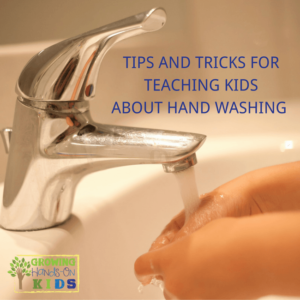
point(68, 71)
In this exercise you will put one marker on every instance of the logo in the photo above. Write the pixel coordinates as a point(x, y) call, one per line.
point(19, 268)
point(45, 273)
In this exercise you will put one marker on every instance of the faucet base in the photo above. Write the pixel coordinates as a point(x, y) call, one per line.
point(37, 229)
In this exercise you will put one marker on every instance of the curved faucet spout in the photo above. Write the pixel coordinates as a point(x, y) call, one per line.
point(109, 141)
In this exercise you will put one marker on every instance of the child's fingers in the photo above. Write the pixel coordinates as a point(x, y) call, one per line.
point(169, 232)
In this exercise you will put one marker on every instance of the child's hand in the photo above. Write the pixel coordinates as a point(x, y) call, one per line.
point(230, 258)
point(266, 190)
point(270, 189)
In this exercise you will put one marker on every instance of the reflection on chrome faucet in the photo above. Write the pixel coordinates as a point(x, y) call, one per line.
point(55, 142)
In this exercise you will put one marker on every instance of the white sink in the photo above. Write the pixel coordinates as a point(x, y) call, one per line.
point(117, 213)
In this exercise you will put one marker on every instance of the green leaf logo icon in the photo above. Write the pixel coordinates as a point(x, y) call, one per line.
point(18, 269)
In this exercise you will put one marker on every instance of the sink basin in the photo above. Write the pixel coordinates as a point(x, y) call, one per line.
point(117, 213)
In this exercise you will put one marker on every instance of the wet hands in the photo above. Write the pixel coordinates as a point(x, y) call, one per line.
point(271, 189)
point(212, 206)
point(194, 263)
point(201, 265)
point(230, 258)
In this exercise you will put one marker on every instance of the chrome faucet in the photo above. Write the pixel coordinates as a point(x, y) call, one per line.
point(54, 141)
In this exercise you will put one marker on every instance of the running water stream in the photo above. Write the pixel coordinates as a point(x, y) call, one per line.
point(188, 190)
point(189, 194)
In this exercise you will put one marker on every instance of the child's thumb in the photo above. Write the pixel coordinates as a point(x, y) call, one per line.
point(149, 265)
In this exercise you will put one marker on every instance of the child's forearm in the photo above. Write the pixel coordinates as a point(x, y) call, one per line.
point(276, 252)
